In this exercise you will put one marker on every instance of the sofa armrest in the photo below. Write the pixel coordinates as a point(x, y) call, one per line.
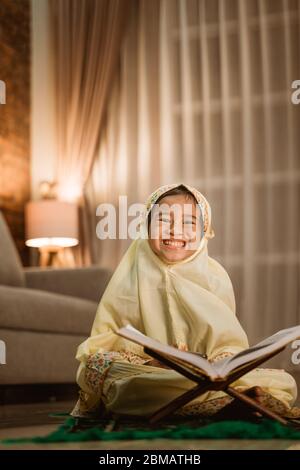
point(86, 283)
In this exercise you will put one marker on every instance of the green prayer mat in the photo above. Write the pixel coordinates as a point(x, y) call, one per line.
point(116, 428)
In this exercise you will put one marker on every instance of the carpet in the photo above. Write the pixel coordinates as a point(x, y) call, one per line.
point(80, 430)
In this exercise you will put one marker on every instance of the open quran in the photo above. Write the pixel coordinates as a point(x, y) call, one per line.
point(212, 375)
point(221, 369)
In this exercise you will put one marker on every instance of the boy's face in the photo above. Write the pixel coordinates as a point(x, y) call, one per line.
point(175, 228)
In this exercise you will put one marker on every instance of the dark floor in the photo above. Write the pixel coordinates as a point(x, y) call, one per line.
point(33, 419)
point(36, 419)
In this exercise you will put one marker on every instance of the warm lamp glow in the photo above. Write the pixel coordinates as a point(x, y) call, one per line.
point(51, 223)
point(69, 191)
point(61, 242)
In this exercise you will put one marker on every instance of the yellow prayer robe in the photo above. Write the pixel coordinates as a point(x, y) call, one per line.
point(188, 304)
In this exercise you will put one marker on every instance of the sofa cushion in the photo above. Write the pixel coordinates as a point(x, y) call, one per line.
point(87, 283)
point(33, 357)
point(11, 272)
point(35, 310)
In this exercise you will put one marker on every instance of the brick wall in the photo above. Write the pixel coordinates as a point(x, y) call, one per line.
point(15, 116)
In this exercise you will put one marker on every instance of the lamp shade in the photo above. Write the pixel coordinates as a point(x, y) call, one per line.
point(51, 223)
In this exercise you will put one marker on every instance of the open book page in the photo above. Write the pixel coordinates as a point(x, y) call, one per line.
point(189, 358)
point(200, 366)
point(267, 346)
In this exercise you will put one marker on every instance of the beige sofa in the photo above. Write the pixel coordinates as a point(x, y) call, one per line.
point(44, 315)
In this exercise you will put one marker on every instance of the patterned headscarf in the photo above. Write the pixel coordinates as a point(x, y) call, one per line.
point(201, 200)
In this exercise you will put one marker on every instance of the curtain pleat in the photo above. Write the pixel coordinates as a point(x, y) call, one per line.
point(87, 37)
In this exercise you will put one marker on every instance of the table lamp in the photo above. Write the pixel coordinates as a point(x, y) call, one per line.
point(51, 226)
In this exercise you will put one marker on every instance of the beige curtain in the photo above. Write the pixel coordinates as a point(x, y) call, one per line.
point(129, 156)
point(204, 96)
point(87, 37)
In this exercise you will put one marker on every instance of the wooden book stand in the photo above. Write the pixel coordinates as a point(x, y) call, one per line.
point(204, 384)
